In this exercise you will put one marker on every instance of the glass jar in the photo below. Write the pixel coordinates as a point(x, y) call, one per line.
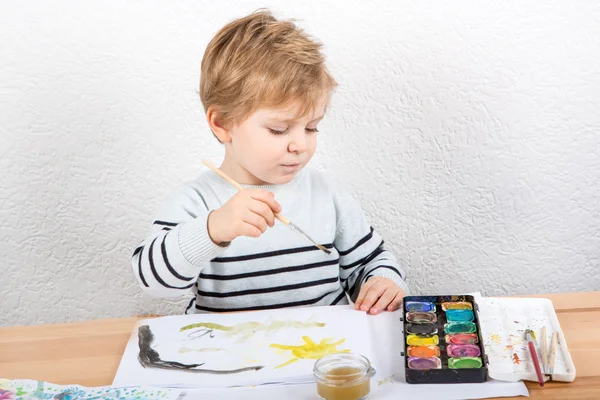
point(343, 376)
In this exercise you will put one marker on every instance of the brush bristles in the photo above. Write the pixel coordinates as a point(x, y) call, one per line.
point(324, 249)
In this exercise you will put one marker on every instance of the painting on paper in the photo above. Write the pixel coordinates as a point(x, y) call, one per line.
point(220, 350)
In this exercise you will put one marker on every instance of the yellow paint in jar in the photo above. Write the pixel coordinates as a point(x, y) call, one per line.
point(343, 376)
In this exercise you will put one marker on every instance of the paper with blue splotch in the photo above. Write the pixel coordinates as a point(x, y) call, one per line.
point(26, 389)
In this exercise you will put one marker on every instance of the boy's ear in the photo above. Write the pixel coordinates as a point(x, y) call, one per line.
point(221, 132)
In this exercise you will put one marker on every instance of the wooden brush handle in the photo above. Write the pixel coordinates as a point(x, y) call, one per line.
point(283, 219)
point(553, 349)
point(223, 175)
point(544, 349)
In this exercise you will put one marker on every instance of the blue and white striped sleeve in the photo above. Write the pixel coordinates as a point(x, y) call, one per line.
point(169, 260)
point(362, 251)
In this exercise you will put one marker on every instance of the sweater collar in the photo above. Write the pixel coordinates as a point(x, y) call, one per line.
point(217, 181)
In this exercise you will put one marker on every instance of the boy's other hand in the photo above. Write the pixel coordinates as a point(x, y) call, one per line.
point(248, 213)
point(379, 294)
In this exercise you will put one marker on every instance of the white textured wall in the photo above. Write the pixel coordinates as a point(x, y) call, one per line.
point(471, 134)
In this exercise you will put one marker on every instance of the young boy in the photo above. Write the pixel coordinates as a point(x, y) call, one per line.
point(265, 87)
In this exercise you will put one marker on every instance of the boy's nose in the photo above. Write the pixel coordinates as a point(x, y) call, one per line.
point(297, 143)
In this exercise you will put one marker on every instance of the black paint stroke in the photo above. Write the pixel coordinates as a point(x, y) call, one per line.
point(201, 333)
point(149, 358)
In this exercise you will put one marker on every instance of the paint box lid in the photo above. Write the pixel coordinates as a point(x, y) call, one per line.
point(503, 323)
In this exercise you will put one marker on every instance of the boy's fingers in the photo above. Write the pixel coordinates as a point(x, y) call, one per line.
point(373, 293)
point(385, 299)
point(395, 304)
point(263, 210)
point(250, 230)
point(361, 295)
point(266, 197)
point(256, 220)
point(357, 304)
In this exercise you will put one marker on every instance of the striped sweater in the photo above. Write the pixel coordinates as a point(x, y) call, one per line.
point(278, 269)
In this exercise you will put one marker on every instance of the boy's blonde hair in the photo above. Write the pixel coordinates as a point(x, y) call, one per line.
point(258, 61)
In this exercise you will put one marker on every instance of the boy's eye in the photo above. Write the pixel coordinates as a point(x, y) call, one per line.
point(276, 132)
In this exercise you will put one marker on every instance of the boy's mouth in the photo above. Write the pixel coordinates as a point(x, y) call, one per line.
point(291, 167)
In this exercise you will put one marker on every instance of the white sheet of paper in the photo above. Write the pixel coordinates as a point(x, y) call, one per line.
point(388, 391)
point(229, 342)
point(387, 384)
point(385, 331)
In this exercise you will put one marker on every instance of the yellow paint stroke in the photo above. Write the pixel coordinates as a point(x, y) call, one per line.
point(310, 349)
point(184, 350)
point(247, 329)
point(384, 381)
point(496, 338)
point(293, 360)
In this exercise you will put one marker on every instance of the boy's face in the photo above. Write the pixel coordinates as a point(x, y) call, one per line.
point(272, 145)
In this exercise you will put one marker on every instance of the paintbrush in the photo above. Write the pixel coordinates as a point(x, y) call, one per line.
point(280, 217)
point(534, 357)
point(552, 352)
point(544, 348)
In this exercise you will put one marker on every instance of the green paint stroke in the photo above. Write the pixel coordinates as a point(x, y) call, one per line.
point(246, 329)
point(184, 350)
point(208, 325)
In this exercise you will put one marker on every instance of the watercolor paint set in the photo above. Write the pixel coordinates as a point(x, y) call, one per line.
point(469, 338)
point(442, 340)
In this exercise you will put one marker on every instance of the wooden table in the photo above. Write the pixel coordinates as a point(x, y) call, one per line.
point(88, 353)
